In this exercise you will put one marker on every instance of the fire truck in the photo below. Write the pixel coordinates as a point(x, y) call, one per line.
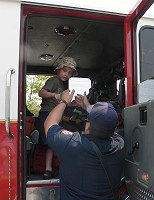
point(114, 49)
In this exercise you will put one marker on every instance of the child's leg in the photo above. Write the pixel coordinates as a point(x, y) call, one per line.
point(49, 156)
point(49, 173)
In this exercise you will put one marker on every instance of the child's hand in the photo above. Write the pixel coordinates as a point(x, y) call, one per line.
point(57, 96)
point(67, 96)
point(82, 101)
point(79, 100)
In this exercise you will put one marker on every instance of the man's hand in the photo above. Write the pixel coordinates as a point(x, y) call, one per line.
point(56, 114)
point(82, 101)
point(67, 96)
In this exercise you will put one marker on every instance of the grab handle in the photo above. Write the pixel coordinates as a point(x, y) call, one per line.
point(7, 102)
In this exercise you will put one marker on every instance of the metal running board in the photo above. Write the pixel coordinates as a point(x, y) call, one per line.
point(43, 190)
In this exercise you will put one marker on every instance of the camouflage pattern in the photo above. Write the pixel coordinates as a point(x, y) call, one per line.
point(67, 62)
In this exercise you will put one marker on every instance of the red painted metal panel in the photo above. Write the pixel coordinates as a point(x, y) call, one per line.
point(43, 185)
point(130, 49)
point(139, 9)
point(8, 163)
point(75, 13)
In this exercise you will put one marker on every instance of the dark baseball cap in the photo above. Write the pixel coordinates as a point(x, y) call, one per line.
point(103, 117)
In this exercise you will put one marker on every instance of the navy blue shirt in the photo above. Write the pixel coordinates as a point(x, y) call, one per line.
point(81, 173)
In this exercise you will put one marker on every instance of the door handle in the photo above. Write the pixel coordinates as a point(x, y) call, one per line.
point(7, 102)
point(135, 146)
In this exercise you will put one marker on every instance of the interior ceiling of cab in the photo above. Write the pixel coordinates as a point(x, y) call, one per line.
point(95, 45)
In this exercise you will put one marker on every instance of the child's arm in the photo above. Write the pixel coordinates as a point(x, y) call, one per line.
point(46, 94)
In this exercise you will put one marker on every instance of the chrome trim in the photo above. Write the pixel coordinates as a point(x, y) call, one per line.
point(7, 102)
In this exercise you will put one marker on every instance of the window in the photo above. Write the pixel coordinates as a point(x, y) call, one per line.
point(80, 85)
point(146, 53)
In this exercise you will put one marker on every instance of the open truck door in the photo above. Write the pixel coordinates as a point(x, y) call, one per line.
point(139, 110)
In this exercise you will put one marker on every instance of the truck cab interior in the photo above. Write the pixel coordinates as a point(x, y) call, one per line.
point(97, 45)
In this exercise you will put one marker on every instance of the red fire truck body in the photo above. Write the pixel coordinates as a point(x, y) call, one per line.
point(18, 20)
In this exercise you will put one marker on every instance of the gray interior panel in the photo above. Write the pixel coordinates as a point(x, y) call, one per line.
point(139, 139)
